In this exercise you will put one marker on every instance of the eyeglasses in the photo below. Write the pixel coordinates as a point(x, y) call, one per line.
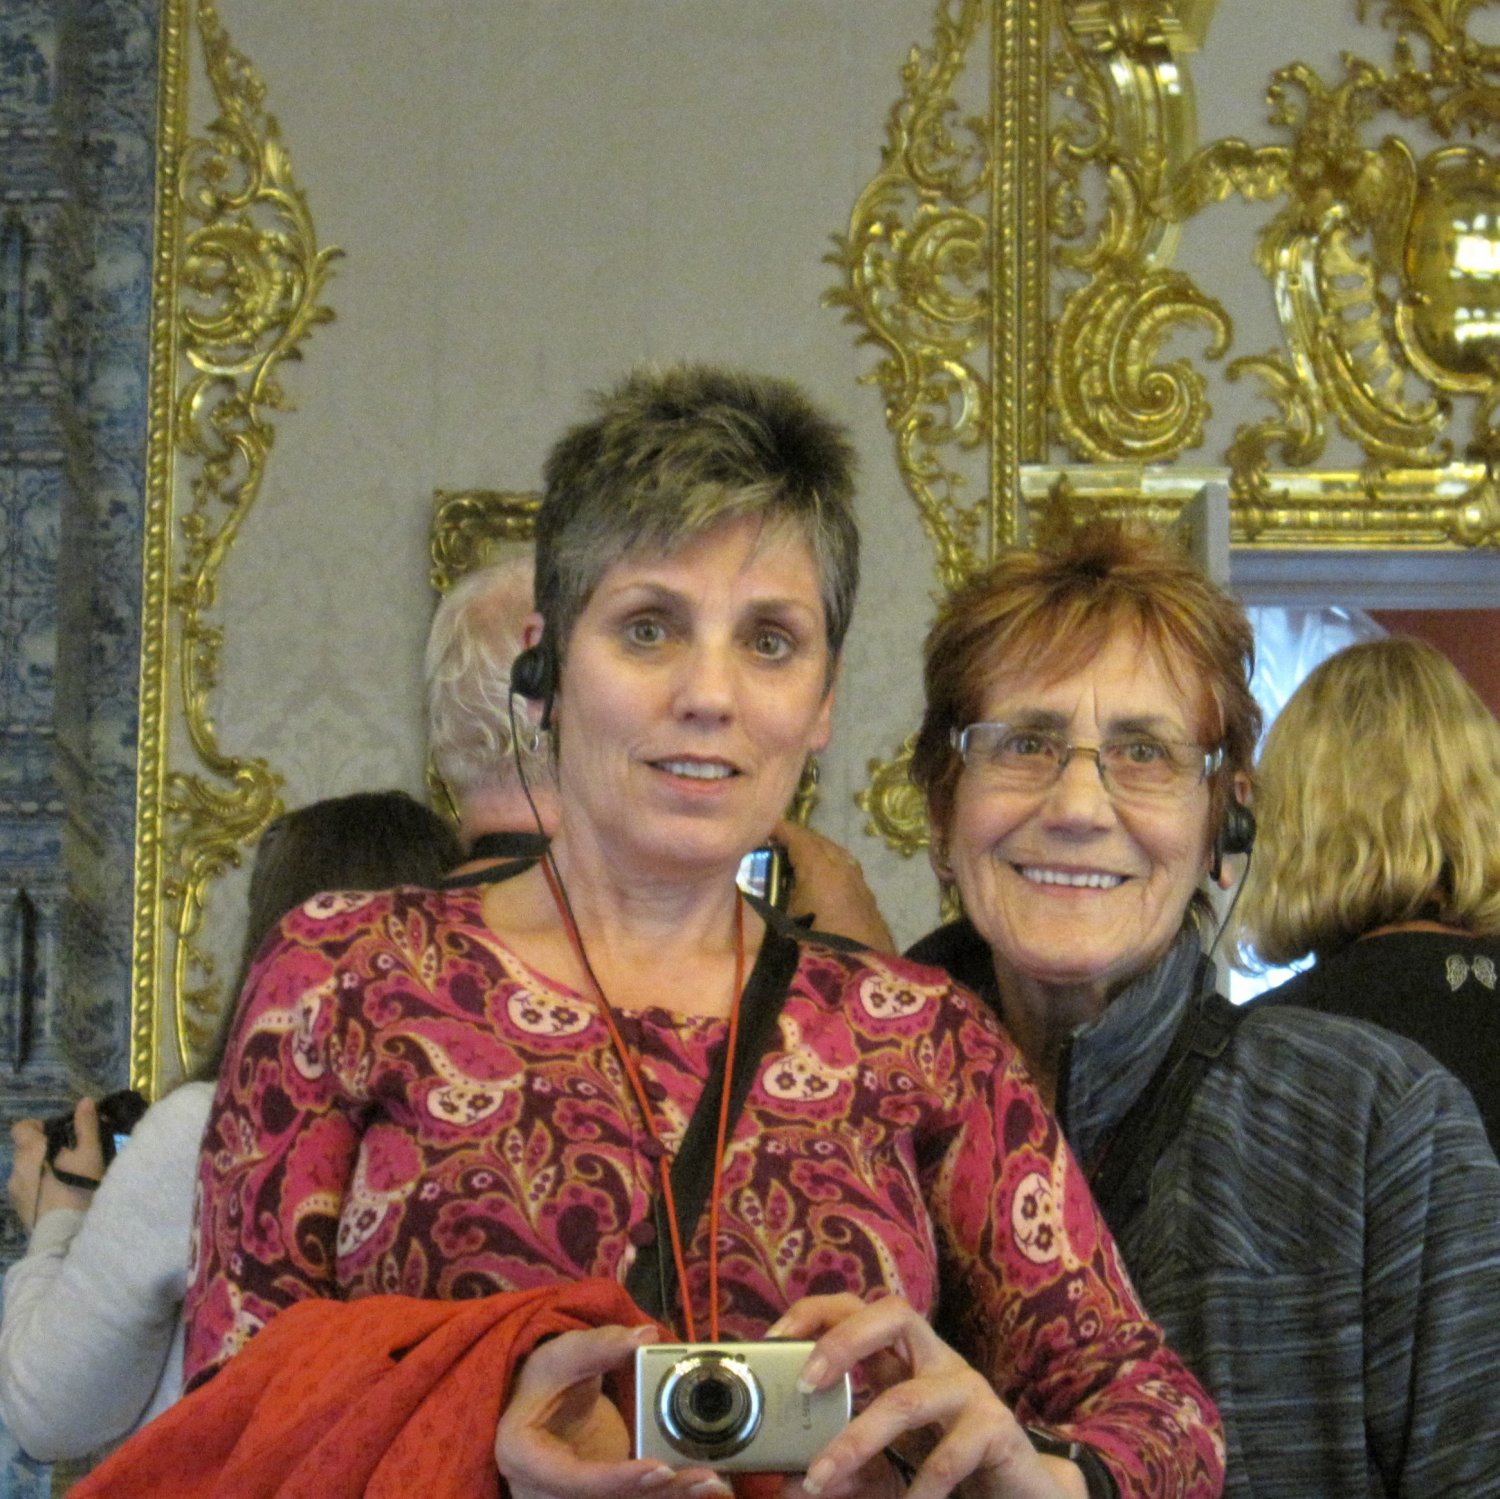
point(1132, 767)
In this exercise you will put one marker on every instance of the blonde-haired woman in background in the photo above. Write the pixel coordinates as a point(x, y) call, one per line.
point(1378, 853)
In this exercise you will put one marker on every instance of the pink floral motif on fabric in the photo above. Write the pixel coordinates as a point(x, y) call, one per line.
point(407, 1107)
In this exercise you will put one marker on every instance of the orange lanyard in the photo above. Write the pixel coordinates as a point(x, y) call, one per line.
point(663, 1160)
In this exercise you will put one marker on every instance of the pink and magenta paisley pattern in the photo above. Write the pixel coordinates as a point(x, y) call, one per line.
point(407, 1107)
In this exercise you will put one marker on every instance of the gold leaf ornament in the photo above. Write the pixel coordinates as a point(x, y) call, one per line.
point(250, 278)
point(1112, 401)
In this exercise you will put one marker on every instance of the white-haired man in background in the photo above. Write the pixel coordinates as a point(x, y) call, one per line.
point(481, 739)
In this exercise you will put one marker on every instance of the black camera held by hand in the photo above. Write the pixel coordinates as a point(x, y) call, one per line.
point(733, 1406)
point(119, 1113)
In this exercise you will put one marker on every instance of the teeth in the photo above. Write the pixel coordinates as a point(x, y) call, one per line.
point(1082, 881)
point(697, 769)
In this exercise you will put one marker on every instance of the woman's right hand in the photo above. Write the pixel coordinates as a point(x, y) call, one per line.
point(561, 1437)
point(32, 1188)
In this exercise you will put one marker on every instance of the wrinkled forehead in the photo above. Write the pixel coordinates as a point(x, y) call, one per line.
point(1021, 676)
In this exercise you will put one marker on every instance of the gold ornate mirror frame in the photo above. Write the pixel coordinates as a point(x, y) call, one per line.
point(1015, 267)
point(238, 279)
point(1014, 263)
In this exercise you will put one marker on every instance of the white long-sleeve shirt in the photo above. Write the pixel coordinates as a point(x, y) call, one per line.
point(91, 1336)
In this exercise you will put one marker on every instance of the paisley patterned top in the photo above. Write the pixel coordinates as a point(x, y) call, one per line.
point(408, 1107)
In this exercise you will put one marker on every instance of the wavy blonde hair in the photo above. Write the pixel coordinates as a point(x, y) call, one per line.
point(1378, 801)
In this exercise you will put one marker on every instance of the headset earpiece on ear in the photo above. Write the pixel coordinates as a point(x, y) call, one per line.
point(533, 674)
point(1236, 835)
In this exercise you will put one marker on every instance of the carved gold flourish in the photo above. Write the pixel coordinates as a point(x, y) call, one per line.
point(248, 291)
point(1110, 400)
point(1326, 252)
point(1132, 124)
point(1456, 89)
point(1086, 206)
point(468, 523)
point(1297, 432)
point(916, 262)
point(1477, 522)
point(893, 805)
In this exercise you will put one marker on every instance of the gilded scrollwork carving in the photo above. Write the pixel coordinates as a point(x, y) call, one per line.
point(894, 806)
point(1367, 260)
point(1130, 126)
point(468, 523)
point(915, 260)
point(1326, 252)
point(1297, 434)
point(917, 267)
point(249, 279)
point(1111, 399)
point(1455, 89)
point(1382, 264)
point(1066, 271)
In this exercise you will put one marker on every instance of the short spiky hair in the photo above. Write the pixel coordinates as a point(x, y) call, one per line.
point(668, 455)
point(1379, 802)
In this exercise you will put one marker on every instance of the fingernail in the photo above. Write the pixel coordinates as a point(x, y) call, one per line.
point(654, 1478)
point(817, 1475)
point(776, 1328)
point(812, 1374)
point(645, 1333)
point(715, 1486)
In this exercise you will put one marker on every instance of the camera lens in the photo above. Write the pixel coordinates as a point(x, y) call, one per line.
point(709, 1405)
point(711, 1402)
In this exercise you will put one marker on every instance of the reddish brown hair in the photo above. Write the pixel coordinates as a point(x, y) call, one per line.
point(1048, 611)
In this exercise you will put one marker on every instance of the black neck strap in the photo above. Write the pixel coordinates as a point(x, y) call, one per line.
point(513, 853)
point(1121, 1179)
point(651, 1280)
point(509, 846)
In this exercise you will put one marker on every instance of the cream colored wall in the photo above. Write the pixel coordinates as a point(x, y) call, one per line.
point(531, 197)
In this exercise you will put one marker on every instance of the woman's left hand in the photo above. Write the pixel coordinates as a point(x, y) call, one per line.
point(974, 1443)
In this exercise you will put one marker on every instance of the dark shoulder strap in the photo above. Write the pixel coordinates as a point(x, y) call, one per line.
point(513, 854)
point(652, 1279)
point(1122, 1178)
point(491, 874)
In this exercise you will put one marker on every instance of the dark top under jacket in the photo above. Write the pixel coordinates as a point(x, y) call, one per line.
point(1441, 990)
point(1320, 1239)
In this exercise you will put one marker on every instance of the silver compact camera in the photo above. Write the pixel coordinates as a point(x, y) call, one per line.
point(733, 1406)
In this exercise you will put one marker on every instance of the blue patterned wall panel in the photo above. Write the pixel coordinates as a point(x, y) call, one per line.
point(78, 82)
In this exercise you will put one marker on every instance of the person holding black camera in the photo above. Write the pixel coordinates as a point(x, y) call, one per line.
point(91, 1337)
point(91, 1341)
point(612, 1067)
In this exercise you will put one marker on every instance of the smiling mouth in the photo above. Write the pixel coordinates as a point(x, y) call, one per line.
point(697, 770)
point(1075, 879)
